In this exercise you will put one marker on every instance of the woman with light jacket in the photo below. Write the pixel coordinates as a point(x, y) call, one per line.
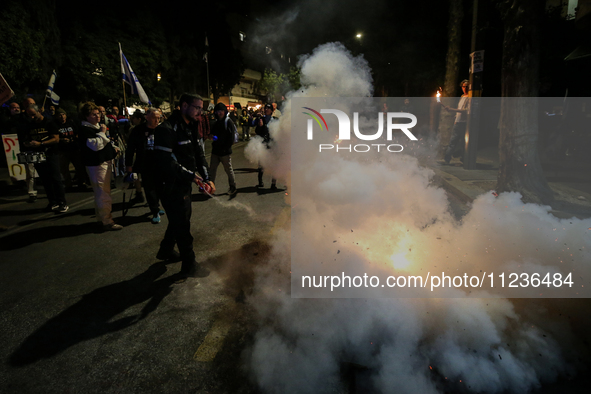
point(98, 153)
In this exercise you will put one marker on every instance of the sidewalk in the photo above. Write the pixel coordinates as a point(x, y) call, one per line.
point(571, 184)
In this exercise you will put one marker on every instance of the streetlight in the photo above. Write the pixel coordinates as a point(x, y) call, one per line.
point(358, 35)
point(158, 77)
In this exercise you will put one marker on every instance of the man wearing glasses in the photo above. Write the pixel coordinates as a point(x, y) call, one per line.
point(175, 162)
point(459, 130)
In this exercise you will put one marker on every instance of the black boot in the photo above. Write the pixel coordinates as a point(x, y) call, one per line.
point(172, 257)
point(192, 269)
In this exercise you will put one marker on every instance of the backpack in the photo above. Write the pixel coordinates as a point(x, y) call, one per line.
point(234, 131)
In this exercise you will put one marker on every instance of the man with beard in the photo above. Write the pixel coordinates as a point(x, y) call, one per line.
point(176, 161)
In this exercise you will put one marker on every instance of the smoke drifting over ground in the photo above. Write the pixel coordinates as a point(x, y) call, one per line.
point(408, 345)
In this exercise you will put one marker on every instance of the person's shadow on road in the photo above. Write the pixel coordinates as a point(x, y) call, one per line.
point(25, 238)
point(93, 315)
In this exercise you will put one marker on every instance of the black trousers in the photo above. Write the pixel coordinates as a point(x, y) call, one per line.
point(66, 157)
point(49, 173)
point(151, 196)
point(177, 204)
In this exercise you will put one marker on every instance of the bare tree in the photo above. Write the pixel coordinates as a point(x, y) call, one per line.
point(520, 169)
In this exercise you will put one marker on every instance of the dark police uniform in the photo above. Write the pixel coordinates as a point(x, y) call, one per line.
point(173, 162)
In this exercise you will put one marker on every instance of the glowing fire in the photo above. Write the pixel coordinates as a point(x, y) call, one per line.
point(438, 94)
point(399, 261)
point(397, 248)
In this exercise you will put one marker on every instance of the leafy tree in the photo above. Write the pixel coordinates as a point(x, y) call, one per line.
point(294, 77)
point(276, 85)
point(91, 48)
point(30, 47)
point(273, 84)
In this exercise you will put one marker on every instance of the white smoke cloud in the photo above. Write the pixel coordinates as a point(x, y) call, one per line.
point(408, 345)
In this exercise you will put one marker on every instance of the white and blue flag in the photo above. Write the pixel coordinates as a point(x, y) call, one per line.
point(49, 93)
point(130, 78)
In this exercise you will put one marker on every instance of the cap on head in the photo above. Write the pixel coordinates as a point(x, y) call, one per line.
point(269, 106)
point(60, 111)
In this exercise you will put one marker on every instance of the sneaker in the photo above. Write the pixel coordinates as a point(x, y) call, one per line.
point(173, 256)
point(261, 184)
point(63, 208)
point(273, 186)
point(32, 198)
point(51, 207)
point(112, 227)
point(161, 212)
point(156, 219)
point(232, 190)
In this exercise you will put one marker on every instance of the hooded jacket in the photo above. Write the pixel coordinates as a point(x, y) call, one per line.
point(223, 133)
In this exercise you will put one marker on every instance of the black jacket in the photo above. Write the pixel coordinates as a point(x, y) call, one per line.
point(136, 143)
point(177, 155)
point(91, 157)
point(263, 131)
point(223, 137)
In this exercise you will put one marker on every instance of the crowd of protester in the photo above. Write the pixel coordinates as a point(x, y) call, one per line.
point(101, 143)
point(162, 155)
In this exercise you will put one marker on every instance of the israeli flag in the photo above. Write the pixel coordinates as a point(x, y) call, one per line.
point(49, 93)
point(130, 78)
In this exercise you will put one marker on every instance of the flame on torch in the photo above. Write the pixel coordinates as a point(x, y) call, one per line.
point(438, 94)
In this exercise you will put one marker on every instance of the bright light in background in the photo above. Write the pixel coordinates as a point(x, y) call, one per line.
point(358, 35)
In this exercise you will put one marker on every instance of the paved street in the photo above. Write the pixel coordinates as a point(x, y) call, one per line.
point(86, 311)
point(82, 311)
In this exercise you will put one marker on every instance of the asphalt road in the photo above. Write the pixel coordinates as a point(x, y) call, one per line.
point(84, 311)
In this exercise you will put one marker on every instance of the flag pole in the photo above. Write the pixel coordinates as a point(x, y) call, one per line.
point(124, 99)
point(123, 84)
point(207, 66)
point(208, 93)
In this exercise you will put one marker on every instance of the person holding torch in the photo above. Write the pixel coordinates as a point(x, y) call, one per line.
point(459, 129)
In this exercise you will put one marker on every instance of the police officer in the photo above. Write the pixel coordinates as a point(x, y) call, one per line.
point(176, 161)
